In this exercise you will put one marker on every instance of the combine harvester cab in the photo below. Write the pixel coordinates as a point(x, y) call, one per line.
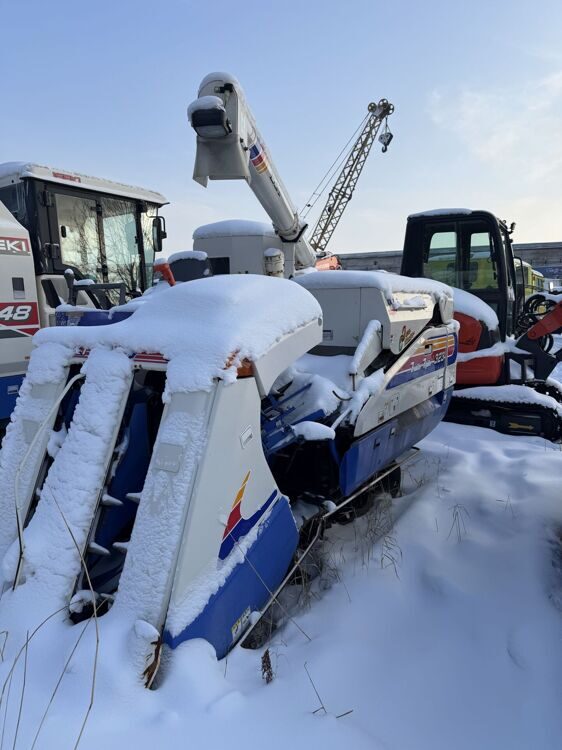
point(168, 502)
point(66, 236)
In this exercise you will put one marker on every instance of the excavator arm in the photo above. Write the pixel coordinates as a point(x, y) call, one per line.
point(537, 340)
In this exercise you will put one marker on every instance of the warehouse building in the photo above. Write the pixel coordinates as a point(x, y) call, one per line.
point(545, 257)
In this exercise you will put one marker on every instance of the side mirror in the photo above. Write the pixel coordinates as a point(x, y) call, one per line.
point(158, 233)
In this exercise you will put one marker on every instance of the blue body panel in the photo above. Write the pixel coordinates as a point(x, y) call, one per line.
point(9, 387)
point(244, 590)
point(90, 318)
point(243, 526)
point(375, 450)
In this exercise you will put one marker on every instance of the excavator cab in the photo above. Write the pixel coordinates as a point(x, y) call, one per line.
point(471, 251)
point(468, 250)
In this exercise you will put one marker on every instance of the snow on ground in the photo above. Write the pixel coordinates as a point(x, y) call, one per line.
point(453, 642)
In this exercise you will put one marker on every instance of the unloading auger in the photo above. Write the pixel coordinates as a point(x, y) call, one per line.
point(158, 457)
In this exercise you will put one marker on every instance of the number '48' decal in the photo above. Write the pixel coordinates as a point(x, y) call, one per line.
point(16, 312)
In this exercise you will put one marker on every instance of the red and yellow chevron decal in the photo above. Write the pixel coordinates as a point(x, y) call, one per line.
point(237, 526)
point(235, 512)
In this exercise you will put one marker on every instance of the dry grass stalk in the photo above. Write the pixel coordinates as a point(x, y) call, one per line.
point(266, 668)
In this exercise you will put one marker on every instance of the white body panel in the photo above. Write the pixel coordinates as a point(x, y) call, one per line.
point(390, 402)
point(245, 249)
point(347, 312)
point(207, 443)
point(18, 297)
point(286, 351)
point(233, 463)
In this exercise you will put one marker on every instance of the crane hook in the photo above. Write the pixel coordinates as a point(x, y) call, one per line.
point(385, 137)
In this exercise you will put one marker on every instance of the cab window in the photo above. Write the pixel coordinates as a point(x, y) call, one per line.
point(13, 197)
point(122, 257)
point(80, 243)
point(480, 270)
point(440, 255)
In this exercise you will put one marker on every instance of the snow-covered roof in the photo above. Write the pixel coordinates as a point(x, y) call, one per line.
point(233, 228)
point(386, 282)
point(205, 327)
point(441, 212)
point(219, 76)
point(187, 255)
point(14, 171)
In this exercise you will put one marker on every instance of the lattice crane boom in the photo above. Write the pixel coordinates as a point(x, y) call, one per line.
point(342, 192)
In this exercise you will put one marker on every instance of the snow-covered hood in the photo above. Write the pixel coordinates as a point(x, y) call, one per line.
point(205, 327)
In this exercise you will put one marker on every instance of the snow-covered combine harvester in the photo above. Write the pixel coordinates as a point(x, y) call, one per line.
point(151, 463)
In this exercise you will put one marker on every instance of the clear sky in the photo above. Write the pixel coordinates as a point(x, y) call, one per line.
point(102, 87)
